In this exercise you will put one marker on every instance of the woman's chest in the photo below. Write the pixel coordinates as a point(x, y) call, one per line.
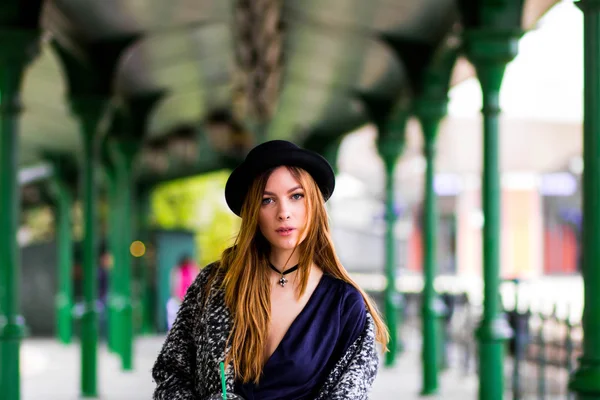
point(302, 359)
point(285, 309)
point(301, 336)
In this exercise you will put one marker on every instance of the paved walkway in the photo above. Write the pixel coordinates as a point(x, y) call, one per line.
point(51, 372)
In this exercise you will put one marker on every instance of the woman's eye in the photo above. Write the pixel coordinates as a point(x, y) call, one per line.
point(297, 196)
point(266, 200)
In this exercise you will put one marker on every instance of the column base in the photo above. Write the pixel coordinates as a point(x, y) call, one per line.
point(433, 310)
point(64, 313)
point(125, 317)
point(393, 311)
point(89, 322)
point(491, 336)
point(147, 314)
point(585, 381)
point(89, 346)
point(495, 330)
point(10, 340)
point(12, 331)
point(400, 313)
point(88, 396)
point(429, 392)
point(113, 308)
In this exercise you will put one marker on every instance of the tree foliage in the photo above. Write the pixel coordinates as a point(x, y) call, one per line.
point(197, 204)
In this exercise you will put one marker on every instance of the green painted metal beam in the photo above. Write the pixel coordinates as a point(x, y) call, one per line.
point(492, 32)
point(390, 120)
point(13, 60)
point(64, 236)
point(430, 109)
point(90, 111)
point(113, 245)
point(12, 326)
point(128, 128)
point(490, 51)
point(113, 234)
point(326, 144)
point(390, 144)
point(124, 153)
point(585, 381)
point(430, 114)
point(143, 234)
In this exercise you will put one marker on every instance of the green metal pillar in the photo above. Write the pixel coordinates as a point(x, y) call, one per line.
point(490, 51)
point(64, 297)
point(331, 153)
point(130, 128)
point(89, 111)
point(430, 113)
point(585, 381)
point(390, 143)
point(143, 231)
point(113, 301)
point(124, 154)
point(13, 61)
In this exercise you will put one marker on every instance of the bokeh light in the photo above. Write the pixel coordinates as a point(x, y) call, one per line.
point(137, 249)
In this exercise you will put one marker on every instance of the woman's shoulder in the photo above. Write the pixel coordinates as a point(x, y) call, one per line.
point(206, 275)
point(351, 310)
point(210, 269)
point(207, 271)
point(350, 298)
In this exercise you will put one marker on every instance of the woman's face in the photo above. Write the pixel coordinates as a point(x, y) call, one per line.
point(282, 216)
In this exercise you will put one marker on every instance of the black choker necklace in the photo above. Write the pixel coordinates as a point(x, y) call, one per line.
point(282, 280)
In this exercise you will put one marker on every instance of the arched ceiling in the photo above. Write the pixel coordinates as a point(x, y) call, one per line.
point(305, 65)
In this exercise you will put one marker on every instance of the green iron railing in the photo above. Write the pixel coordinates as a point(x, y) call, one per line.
point(538, 359)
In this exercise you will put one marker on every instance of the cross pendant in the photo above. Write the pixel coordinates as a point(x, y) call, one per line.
point(282, 281)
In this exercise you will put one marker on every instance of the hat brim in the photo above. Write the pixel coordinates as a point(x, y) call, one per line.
point(241, 178)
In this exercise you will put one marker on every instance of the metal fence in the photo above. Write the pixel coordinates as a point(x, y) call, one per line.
point(545, 348)
point(539, 357)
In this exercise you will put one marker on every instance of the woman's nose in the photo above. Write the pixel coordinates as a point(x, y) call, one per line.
point(283, 214)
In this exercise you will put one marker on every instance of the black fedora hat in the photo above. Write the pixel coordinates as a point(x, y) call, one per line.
point(272, 154)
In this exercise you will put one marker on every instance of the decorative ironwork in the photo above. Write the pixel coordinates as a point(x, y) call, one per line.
point(541, 354)
point(259, 49)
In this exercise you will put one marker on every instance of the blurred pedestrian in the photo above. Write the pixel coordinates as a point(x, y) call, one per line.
point(182, 277)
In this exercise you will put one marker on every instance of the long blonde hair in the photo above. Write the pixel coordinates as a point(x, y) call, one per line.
point(247, 284)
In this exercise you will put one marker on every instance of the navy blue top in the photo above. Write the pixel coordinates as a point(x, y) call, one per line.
point(331, 320)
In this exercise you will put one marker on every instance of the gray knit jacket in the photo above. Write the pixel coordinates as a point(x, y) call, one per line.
point(187, 367)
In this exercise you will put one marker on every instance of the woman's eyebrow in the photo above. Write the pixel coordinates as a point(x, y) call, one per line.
point(289, 191)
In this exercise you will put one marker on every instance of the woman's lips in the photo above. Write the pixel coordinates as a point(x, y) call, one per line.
point(285, 231)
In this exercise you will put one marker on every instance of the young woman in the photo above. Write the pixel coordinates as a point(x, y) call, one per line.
point(278, 307)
